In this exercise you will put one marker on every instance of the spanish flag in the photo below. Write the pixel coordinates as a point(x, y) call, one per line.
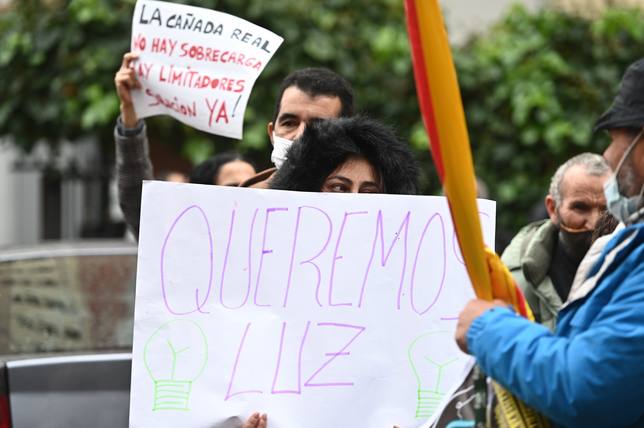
point(442, 111)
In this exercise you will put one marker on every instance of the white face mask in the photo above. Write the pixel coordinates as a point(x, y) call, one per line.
point(280, 148)
point(620, 206)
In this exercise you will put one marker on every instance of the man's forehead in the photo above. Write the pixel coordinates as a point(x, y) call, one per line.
point(577, 182)
point(296, 102)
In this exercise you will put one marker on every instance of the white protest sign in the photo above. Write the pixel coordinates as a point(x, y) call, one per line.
point(320, 309)
point(197, 65)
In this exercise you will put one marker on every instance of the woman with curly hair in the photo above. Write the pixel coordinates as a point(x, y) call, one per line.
point(349, 155)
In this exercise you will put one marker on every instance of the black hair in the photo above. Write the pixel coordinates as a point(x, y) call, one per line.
point(326, 144)
point(207, 171)
point(315, 81)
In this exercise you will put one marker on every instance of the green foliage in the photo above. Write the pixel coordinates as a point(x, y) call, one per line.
point(62, 56)
point(57, 61)
point(532, 88)
point(364, 41)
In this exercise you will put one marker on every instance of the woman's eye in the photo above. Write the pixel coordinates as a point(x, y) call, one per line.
point(339, 188)
point(369, 189)
point(335, 187)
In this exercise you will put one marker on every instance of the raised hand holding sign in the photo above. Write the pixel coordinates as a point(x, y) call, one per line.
point(197, 65)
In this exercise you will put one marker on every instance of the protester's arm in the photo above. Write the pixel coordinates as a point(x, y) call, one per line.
point(133, 163)
point(125, 81)
point(593, 379)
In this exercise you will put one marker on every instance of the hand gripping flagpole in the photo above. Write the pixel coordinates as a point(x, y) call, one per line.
point(442, 112)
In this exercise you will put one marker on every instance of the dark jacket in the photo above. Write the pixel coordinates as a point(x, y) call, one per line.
point(133, 165)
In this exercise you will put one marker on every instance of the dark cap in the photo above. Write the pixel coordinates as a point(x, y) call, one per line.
point(627, 110)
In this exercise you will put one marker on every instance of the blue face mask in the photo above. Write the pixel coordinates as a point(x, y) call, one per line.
point(620, 206)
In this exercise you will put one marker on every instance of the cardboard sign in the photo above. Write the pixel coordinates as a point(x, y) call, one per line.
point(319, 309)
point(197, 65)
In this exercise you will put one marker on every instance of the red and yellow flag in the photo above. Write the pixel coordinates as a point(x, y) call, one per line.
point(440, 104)
point(442, 111)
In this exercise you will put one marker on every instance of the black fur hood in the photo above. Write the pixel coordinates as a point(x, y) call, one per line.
point(325, 144)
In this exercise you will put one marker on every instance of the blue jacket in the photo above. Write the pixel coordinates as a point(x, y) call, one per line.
point(590, 371)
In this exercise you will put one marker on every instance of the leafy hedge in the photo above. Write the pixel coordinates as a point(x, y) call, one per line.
point(532, 86)
point(532, 89)
point(62, 56)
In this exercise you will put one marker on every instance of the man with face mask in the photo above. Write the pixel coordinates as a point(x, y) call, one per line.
point(590, 371)
point(544, 256)
point(306, 94)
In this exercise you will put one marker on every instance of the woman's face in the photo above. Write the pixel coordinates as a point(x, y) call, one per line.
point(233, 173)
point(355, 175)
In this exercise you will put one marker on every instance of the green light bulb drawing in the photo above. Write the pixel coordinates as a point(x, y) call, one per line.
point(433, 362)
point(175, 355)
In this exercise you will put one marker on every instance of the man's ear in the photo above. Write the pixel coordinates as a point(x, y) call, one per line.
point(269, 129)
point(551, 207)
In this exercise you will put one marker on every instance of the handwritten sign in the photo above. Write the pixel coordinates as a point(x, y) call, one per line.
point(320, 309)
point(197, 65)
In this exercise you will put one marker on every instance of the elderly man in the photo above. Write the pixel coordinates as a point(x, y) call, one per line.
point(590, 371)
point(306, 94)
point(544, 256)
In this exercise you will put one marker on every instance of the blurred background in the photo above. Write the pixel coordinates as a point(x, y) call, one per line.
point(534, 75)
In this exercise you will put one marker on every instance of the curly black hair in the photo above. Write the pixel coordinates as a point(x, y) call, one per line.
point(326, 144)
